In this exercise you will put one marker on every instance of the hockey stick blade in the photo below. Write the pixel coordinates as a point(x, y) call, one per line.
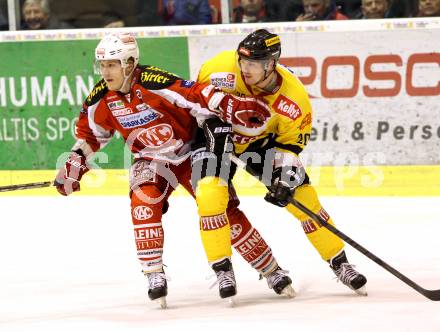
point(26, 186)
point(433, 295)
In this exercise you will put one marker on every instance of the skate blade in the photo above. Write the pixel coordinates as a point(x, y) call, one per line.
point(230, 301)
point(162, 302)
point(289, 292)
point(361, 291)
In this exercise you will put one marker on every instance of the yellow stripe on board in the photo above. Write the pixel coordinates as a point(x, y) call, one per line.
point(329, 181)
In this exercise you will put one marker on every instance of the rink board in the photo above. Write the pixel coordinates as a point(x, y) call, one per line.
point(329, 181)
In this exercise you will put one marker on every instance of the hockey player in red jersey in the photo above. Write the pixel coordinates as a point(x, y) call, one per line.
point(157, 114)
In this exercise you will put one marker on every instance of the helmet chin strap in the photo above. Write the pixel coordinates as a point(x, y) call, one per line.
point(266, 73)
point(125, 87)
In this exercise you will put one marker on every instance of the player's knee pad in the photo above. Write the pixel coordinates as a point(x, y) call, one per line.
point(211, 196)
point(148, 231)
point(324, 241)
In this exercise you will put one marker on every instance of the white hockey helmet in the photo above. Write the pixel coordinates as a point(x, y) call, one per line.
point(118, 46)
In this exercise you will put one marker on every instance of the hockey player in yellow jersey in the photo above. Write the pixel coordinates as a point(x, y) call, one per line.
point(253, 70)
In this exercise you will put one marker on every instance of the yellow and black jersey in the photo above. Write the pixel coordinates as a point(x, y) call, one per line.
point(291, 120)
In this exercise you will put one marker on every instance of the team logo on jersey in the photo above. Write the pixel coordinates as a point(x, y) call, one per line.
point(152, 77)
point(112, 97)
point(144, 107)
point(142, 212)
point(138, 119)
point(124, 111)
point(156, 136)
point(115, 105)
point(224, 80)
point(287, 107)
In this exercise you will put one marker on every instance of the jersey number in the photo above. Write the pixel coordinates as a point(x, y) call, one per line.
point(303, 139)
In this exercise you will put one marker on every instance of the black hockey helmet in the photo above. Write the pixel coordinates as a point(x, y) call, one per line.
point(260, 45)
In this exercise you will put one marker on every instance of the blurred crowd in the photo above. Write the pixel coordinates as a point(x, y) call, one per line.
point(64, 14)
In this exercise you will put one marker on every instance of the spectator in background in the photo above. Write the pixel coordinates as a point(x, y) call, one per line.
point(320, 10)
point(4, 15)
point(36, 16)
point(283, 10)
point(148, 13)
point(186, 12)
point(372, 9)
point(350, 8)
point(3, 21)
point(113, 20)
point(429, 8)
point(249, 11)
point(215, 15)
point(400, 8)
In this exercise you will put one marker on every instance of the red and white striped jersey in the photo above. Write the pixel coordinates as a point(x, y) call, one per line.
point(156, 118)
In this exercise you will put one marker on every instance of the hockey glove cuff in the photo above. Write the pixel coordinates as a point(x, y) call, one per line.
point(218, 136)
point(284, 181)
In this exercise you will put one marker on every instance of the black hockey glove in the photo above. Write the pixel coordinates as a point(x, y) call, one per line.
point(284, 181)
point(218, 136)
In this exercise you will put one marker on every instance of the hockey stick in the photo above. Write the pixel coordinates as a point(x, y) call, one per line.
point(433, 295)
point(26, 186)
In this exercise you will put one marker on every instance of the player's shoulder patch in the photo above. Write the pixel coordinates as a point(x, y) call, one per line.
point(154, 78)
point(98, 92)
point(224, 80)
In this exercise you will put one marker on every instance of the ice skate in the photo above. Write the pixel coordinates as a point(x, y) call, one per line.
point(346, 273)
point(280, 282)
point(157, 288)
point(225, 280)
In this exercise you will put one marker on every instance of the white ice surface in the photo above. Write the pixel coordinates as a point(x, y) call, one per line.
point(69, 264)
